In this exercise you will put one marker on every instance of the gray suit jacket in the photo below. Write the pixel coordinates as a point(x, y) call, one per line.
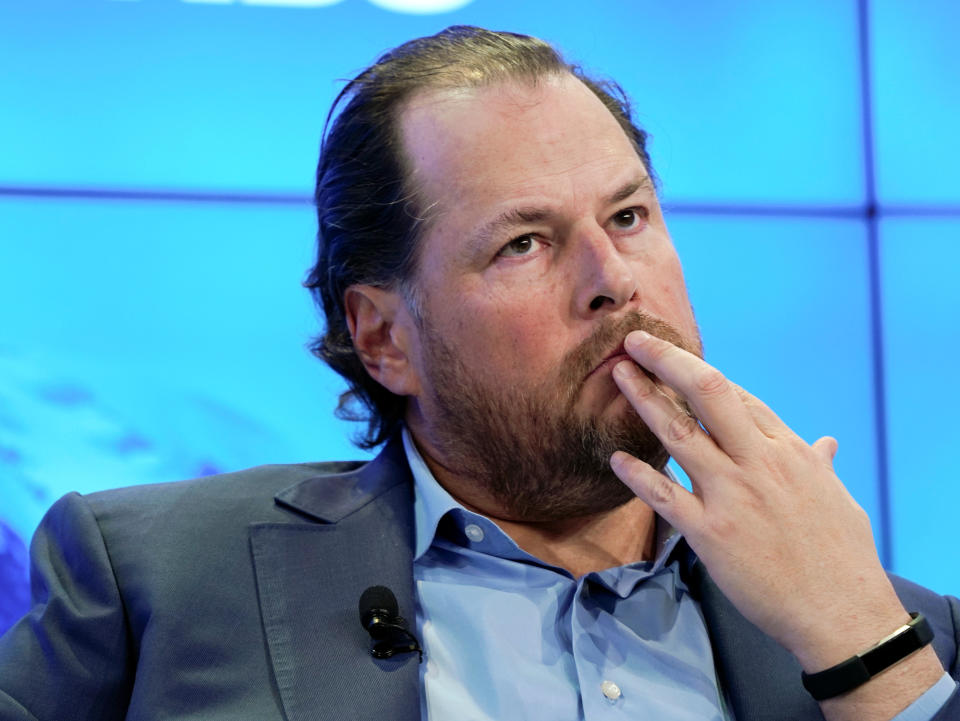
point(235, 597)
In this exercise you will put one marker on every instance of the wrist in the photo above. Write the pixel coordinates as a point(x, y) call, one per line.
point(837, 632)
point(888, 693)
point(857, 670)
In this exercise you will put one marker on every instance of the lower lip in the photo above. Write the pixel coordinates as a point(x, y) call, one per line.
point(610, 362)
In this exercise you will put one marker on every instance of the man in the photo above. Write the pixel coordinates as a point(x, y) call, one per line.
point(504, 300)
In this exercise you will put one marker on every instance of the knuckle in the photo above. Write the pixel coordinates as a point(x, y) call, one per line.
point(682, 428)
point(723, 527)
point(643, 389)
point(661, 489)
point(712, 382)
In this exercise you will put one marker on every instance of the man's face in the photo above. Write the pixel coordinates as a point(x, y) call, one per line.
point(545, 245)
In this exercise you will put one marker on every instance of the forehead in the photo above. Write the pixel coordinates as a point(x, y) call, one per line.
point(553, 141)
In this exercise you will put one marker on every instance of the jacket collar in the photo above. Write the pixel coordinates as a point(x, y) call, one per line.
point(310, 575)
point(331, 498)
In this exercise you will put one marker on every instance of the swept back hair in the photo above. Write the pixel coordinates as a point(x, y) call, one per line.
point(368, 213)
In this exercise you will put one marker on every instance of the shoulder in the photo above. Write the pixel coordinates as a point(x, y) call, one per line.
point(164, 544)
point(252, 488)
point(273, 493)
point(165, 521)
point(227, 503)
point(239, 497)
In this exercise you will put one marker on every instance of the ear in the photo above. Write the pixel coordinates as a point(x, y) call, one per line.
point(385, 337)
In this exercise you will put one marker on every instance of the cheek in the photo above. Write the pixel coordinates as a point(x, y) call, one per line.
point(666, 296)
point(511, 340)
point(655, 266)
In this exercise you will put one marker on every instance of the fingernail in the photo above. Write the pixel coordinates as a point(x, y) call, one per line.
point(618, 460)
point(635, 339)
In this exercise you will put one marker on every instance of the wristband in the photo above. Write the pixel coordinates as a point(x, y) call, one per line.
point(859, 669)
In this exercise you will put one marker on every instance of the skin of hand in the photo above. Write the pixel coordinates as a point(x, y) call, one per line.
point(768, 516)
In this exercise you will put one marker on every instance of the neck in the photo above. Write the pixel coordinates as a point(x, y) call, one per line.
point(625, 534)
point(580, 544)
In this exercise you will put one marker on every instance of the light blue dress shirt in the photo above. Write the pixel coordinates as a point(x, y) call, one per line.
point(507, 636)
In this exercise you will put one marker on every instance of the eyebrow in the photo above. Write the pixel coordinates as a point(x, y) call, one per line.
point(628, 189)
point(533, 214)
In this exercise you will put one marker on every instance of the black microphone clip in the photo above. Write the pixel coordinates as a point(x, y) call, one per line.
point(379, 616)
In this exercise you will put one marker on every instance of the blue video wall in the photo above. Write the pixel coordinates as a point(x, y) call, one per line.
point(156, 159)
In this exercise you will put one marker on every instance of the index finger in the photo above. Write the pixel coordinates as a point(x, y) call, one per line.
point(712, 397)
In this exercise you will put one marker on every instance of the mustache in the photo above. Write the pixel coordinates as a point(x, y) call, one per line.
point(579, 362)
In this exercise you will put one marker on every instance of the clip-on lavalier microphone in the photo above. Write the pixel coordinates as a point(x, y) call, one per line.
point(380, 617)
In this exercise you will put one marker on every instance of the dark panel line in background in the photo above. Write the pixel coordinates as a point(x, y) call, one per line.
point(874, 283)
point(933, 211)
point(780, 211)
point(679, 208)
point(865, 212)
point(178, 196)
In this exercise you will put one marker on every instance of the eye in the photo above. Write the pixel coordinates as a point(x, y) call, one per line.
point(629, 218)
point(519, 246)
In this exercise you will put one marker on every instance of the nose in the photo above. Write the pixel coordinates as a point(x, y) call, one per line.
point(606, 281)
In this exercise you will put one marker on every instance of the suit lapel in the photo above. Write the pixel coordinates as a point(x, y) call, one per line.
point(309, 579)
point(760, 678)
point(310, 576)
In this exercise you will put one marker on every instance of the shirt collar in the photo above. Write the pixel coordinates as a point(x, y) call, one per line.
point(432, 502)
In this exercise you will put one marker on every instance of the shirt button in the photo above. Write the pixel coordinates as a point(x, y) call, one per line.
point(610, 690)
point(473, 532)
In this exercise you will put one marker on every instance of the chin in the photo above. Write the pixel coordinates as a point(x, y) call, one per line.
point(604, 401)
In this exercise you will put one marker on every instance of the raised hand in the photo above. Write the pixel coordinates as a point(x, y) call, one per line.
point(768, 516)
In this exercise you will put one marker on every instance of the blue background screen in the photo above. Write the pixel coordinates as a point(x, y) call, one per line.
point(156, 160)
